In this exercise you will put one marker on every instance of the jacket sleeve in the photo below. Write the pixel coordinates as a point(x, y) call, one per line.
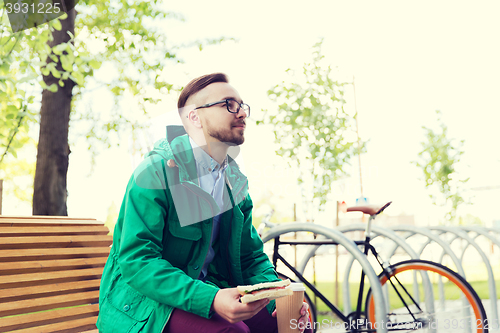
point(144, 214)
point(255, 264)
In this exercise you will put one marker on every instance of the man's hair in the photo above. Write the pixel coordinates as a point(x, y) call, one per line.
point(198, 84)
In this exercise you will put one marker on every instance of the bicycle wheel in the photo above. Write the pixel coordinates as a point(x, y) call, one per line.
point(429, 297)
point(312, 308)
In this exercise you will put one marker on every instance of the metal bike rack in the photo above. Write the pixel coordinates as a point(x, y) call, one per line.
point(491, 279)
point(480, 231)
point(350, 246)
point(431, 237)
point(378, 231)
point(495, 230)
point(412, 230)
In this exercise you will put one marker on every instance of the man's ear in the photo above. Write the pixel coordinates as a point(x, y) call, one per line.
point(194, 118)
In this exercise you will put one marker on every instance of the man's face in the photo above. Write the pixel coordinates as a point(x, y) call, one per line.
point(220, 124)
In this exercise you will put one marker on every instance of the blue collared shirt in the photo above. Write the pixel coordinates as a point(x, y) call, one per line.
point(211, 178)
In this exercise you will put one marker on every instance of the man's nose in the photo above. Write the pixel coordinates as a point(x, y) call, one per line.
point(241, 113)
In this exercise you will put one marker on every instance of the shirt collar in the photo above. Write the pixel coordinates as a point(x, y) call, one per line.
point(205, 160)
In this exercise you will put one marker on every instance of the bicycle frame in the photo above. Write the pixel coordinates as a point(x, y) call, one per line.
point(367, 248)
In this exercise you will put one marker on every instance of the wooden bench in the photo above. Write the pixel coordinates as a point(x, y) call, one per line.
point(50, 271)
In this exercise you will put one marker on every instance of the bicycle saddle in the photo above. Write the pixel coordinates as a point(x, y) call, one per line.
point(370, 210)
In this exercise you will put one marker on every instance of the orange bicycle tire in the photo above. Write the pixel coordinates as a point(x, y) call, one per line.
point(428, 266)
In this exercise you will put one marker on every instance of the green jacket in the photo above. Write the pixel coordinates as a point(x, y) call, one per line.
point(162, 237)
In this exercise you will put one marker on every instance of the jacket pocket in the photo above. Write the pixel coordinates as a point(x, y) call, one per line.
point(180, 242)
point(123, 309)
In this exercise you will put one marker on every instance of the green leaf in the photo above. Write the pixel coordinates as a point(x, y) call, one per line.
point(67, 65)
point(77, 77)
point(23, 65)
point(52, 88)
point(28, 78)
point(116, 90)
point(59, 48)
point(56, 24)
point(95, 64)
point(56, 73)
point(85, 57)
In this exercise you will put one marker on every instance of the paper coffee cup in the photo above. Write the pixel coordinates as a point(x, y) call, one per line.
point(288, 309)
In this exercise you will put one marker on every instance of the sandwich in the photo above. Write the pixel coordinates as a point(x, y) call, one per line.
point(270, 290)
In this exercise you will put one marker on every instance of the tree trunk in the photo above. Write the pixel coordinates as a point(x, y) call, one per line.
point(50, 194)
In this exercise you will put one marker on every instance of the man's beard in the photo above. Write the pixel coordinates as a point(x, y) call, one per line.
point(226, 135)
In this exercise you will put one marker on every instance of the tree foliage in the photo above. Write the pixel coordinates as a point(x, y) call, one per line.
point(438, 160)
point(125, 37)
point(310, 125)
point(19, 83)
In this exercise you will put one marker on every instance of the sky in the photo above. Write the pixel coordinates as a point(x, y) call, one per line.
point(407, 59)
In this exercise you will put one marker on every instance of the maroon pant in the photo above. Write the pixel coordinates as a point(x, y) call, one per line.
point(184, 322)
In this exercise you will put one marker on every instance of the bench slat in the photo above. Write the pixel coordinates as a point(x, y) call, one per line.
point(48, 303)
point(17, 294)
point(4, 224)
point(45, 217)
point(16, 281)
point(47, 317)
point(74, 326)
point(53, 241)
point(47, 254)
point(41, 231)
point(50, 271)
point(6, 220)
point(25, 267)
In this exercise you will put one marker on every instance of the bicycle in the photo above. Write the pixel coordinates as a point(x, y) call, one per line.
point(449, 302)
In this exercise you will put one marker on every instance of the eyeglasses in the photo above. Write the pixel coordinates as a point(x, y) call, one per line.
point(232, 105)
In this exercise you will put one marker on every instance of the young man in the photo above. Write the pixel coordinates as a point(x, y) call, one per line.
point(184, 237)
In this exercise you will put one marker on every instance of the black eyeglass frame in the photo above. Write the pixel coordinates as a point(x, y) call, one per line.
point(227, 106)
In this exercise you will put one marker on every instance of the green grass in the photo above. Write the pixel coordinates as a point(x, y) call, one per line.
point(482, 290)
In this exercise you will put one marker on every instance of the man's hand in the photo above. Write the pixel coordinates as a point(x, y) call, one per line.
point(227, 305)
point(304, 317)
